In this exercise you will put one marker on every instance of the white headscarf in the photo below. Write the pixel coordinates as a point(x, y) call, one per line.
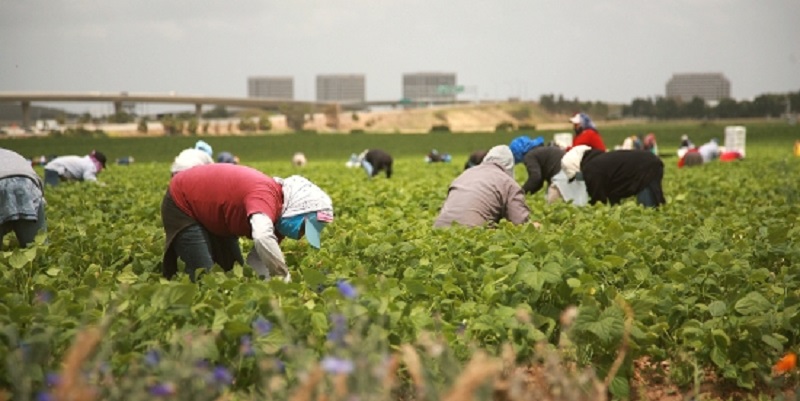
point(501, 155)
point(571, 162)
point(301, 196)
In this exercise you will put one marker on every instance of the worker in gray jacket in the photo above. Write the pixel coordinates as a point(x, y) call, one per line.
point(75, 168)
point(21, 199)
point(485, 194)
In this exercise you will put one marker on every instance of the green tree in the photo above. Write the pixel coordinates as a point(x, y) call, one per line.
point(142, 127)
point(192, 126)
point(727, 108)
point(695, 109)
point(264, 124)
point(217, 112)
point(666, 108)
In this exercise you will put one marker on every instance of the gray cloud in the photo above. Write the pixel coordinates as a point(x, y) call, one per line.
point(612, 50)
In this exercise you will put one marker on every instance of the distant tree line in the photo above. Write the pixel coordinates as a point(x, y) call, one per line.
point(560, 105)
point(663, 108)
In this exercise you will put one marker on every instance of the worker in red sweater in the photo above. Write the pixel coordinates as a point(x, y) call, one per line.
point(207, 208)
point(586, 133)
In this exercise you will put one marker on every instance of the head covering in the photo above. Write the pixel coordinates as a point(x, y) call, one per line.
point(205, 147)
point(226, 157)
point(501, 155)
point(99, 157)
point(650, 139)
point(522, 144)
point(571, 162)
point(302, 198)
point(583, 121)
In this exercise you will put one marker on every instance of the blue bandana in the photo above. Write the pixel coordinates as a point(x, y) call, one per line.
point(522, 144)
point(290, 226)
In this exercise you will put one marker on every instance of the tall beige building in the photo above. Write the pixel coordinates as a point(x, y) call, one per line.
point(271, 87)
point(429, 86)
point(343, 88)
point(711, 87)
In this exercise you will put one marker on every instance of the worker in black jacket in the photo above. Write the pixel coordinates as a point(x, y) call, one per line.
point(613, 176)
point(542, 162)
point(374, 161)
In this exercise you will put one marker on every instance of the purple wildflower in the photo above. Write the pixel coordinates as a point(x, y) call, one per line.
point(339, 329)
point(43, 296)
point(152, 358)
point(45, 396)
point(201, 365)
point(246, 346)
point(222, 375)
point(347, 290)
point(332, 364)
point(262, 326)
point(280, 366)
point(163, 389)
point(52, 379)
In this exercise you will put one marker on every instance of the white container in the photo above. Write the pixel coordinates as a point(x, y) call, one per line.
point(563, 139)
point(735, 136)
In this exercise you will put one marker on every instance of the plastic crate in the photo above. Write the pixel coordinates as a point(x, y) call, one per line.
point(735, 136)
point(563, 139)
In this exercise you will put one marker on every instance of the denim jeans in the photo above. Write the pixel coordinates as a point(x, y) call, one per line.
point(646, 198)
point(25, 230)
point(193, 246)
point(51, 177)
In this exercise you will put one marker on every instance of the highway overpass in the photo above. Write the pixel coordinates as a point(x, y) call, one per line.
point(330, 109)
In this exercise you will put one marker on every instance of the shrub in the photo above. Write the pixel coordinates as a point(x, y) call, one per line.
point(440, 128)
point(504, 126)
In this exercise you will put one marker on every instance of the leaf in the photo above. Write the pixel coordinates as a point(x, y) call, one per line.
point(220, 318)
point(573, 282)
point(717, 308)
point(319, 322)
point(127, 277)
point(313, 277)
point(720, 338)
point(619, 387)
point(772, 342)
point(752, 304)
point(718, 357)
point(18, 260)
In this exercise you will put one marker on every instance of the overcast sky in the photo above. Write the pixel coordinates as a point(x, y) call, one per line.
point(607, 50)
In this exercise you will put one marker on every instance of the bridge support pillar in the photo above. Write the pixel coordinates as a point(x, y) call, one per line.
point(117, 107)
point(198, 111)
point(26, 114)
point(332, 115)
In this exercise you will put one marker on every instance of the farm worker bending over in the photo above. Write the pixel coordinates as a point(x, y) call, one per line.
point(207, 208)
point(709, 150)
point(227, 157)
point(613, 176)
point(485, 194)
point(375, 160)
point(21, 199)
point(586, 133)
point(77, 168)
point(475, 158)
point(691, 157)
point(199, 155)
point(542, 162)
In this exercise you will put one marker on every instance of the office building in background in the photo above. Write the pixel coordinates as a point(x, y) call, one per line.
point(711, 87)
point(271, 87)
point(429, 87)
point(341, 88)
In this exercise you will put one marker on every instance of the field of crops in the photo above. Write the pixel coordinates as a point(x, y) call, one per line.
point(711, 281)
